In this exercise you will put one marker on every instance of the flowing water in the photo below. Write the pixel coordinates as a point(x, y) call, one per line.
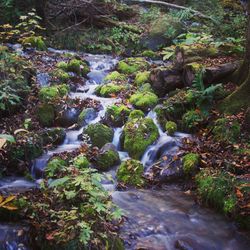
point(166, 218)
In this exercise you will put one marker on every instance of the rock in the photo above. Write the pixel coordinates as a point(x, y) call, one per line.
point(144, 100)
point(190, 163)
point(86, 116)
point(99, 134)
point(132, 65)
point(226, 130)
point(138, 135)
point(46, 115)
point(61, 75)
point(136, 114)
point(109, 90)
point(81, 162)
point(130, 173)
point(171, 127)
point(52, 93)
point(164, 80)
point(142, 77)
point(43, 79)
point(107, 158)
point(68, 117)
point(116, 116)
point(115, 76)
point(54, 136)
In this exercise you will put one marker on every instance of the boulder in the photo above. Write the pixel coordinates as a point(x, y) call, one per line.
point(46, 115)
point(86, 116)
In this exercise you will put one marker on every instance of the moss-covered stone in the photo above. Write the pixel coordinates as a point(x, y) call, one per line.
point(132, 65)
point(107, 158)
point(55, 166)
point(61, 75)
point(62, 65)
point(108, 90)
point(130, 173)
point(86, 115)
point(46, 115)
point(150, 54)
point(144, 100)
point(136, 114)
point(142, 77)
point(138, 135)
point(117, 115)
point(226, 130)
point(54, 136)
point(35, 41)
point(146, 87)
point(191, 120)
point(115, 76)
point(171, 127)
point(52, 93)
point(99, 134)
point(74, 66)
point(190, 163)
point(81, 162)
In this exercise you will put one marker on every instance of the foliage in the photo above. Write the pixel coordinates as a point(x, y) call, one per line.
point(190, 163)
point(191, 119)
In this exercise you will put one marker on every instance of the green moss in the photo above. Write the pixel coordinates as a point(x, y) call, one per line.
point(81, 162)
point(171, 127)
point(107, 90)
point(46, 115)
point(117, 115)
point(62, 65)
point(35, 41)
point(225, 130)
point(74, 66)
point(55, 166)
point(132, 65)
point(190, 163)
point(146, 87)
point(53, 92)
point(136, 114)
point(61, 75)
point(99, 134)
point(107, 159)
point(130, 173)
point(144, 100)
point(138, 135)
point(150, 54)
point(142, 77)
point(191, 120)
point(115, 76)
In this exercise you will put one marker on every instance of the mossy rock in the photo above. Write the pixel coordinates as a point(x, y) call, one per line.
point(99, 134)
point(115, 76)
point(171, 127)
point(191, 120)
point(52, 93)
point(146, 87)
point(132, 65)
point(81, 162)
point(138, 135)
point(150, 54)
point(54, 136)
point(55, 166)
point(190, 163)
point(62, 65)
point(144, 100)
point(46, 115)
point(136, 114)
point(117, 115)
point(34, 41)
point(142, 77)
point(86, 115)
point(130, 173)
point(109, 90)
point(107, 158)
point(61, 75)
point(226, 130)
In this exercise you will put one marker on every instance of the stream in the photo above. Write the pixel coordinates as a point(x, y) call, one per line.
point(166, 218)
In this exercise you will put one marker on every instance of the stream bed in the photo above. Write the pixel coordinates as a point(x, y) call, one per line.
point(165, 218)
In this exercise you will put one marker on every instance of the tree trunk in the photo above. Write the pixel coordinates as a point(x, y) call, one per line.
point(240, 98)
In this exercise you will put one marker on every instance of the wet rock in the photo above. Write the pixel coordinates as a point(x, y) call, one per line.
point(107, 158)
point(164, 80)
point(54, 136)
point(99, 134)
point(97, 76)
point(43, 79)
point(109, 90)
point(67, 117)
point(46, 115)
point(86, 116)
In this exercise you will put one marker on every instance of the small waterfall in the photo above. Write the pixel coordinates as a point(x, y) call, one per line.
point(116, 139)
point(152, 114)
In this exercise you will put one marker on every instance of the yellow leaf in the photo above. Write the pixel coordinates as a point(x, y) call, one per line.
point(10, 207)
point(8, 199)
point(21, 130)
point(2, 142)
point(1, 198)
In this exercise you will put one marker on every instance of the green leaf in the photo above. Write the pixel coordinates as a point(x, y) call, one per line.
point(9, 138)
point(58, 182)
